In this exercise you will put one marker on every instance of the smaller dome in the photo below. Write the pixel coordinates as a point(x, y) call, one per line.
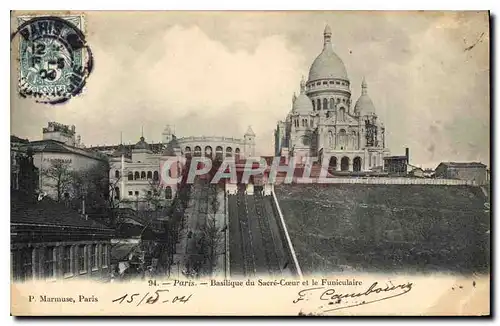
point(302, 103)
point(141, 144)
point(172, 146)
point(364, 105)
point(119, 151)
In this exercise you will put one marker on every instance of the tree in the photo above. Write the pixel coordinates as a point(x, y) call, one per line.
point(212, 233)
point(214, 202)
point(26, 180)
point(90, 188)
point(154, 195)
point(211, 238)
point(60, 178)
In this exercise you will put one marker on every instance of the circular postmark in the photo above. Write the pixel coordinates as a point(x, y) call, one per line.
point(54, 59)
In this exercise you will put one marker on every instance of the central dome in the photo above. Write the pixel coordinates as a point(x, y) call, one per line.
point(327, 64)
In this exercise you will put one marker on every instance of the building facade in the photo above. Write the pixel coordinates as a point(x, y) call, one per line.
point(211, 146)
point(215, 147)
point(323, 122)
point(48, 239)
point(136, 175)
point(136, 170)
point(57, 155)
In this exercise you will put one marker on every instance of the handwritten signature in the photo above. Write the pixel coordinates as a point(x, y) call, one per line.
point(152, 298)
point(374, 293)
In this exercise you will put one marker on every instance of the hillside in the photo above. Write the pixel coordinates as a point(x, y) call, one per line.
point(379, 228)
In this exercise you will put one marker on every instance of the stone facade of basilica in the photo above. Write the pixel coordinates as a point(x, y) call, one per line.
point(323, 122)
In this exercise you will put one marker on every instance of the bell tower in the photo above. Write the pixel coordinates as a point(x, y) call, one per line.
point(249, 139)
point(166, 135)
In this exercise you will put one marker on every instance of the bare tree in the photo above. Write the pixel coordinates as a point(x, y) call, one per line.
point(211, 238)
point(90, 187)
point(154, 195)
point(211, 233)
point(60, 178)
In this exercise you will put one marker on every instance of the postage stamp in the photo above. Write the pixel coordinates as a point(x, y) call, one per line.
point(54, 59)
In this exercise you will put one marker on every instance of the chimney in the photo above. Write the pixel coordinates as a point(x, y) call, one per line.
point(407, 155)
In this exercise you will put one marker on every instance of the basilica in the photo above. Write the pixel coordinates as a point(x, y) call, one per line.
point(323, 122)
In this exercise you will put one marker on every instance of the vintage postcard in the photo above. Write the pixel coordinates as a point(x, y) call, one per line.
point(307, 163)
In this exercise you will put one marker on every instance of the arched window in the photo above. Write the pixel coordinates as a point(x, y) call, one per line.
point(143, 175)
point(117, 174)
point(237, 153)
point(208, 151)
point(229, 152)
point(344, 164)
point(218, 153)
point(325, 104)
point(342, 138)
point(318, 103)
point(354, 140)
point(150, 175)
point(187, 151)
point(356, 164)
point(155, 175)
point(117, 193)
point(331, 139)
point(332, 103)
point(342, 114)
point(168, 192)
point(333, 163)
point(130, 176)
point(314, 106)
point(197, 151)
point(136, 175)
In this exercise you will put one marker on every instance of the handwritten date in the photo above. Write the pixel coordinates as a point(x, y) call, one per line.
point(158, 296)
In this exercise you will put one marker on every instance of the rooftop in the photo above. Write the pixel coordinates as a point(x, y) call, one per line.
point(55, 146)
point(463, 164)
point(48, 213)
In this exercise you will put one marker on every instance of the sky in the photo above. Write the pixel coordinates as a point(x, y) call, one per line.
point(216, 73)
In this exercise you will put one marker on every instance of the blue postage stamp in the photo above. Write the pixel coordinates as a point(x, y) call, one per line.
point(54, 58)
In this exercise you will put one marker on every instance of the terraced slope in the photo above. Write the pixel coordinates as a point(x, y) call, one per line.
point(380, 228)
